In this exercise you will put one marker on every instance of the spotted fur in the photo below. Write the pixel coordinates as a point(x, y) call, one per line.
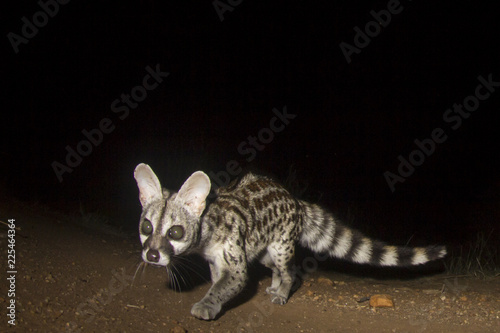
point(251, 219)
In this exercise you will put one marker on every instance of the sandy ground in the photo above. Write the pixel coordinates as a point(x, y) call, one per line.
point(74, 279)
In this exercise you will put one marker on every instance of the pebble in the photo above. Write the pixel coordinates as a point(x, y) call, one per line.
point(325, 281)
point(178, 329)
point(381, 301)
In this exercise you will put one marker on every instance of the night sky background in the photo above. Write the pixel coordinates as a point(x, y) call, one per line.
point(352, 120)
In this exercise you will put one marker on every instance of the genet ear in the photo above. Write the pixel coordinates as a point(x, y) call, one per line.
point(194, 191)
point(148, 184)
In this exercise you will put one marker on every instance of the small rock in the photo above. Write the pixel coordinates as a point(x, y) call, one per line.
point(178, 329)
point(381, 301)
point(362, 299)
point(325, 281)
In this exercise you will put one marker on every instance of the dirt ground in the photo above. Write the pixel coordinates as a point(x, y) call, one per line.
point(72, 278)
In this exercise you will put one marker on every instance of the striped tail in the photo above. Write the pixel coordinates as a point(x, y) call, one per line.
point(323, 234)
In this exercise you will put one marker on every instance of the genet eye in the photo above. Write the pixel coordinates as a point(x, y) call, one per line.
point(147, 227)
point(176, 232)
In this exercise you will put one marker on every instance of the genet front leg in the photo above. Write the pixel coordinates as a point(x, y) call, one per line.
point(229, 272)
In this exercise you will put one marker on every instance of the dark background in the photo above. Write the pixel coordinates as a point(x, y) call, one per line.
point(353, 120)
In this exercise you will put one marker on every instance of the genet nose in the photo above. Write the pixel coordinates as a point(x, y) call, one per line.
point(153, 255)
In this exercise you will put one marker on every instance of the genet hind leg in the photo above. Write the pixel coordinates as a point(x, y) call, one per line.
point(282, 256)
point(276, 281)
